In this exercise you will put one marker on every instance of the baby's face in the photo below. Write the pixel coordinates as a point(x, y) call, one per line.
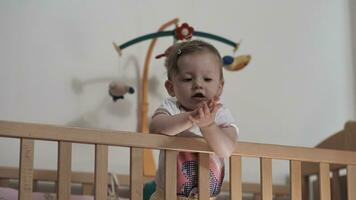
point(198, 79)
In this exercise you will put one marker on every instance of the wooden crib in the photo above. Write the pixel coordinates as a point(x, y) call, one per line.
point(27, 133)
point(342, 140)
point(45, 180)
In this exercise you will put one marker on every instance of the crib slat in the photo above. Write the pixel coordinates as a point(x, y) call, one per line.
point(266, 178)
point(296, 179)
point(87, 189)
point(26, 169)
point(64, 170)
point(235, 178)
point(136, 173)
point(101, 171)
point(351, 182)
point(171, 174)
point(204, 172)
point(324, 181)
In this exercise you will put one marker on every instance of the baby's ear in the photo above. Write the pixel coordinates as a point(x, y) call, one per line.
point(169, 87)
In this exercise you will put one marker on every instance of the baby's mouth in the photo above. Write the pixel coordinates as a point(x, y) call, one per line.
point(199, 96)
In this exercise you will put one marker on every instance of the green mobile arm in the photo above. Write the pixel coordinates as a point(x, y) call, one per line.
point(172, 33)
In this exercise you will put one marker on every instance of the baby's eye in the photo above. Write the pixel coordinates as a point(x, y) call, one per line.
point(187, 79)
point(208, 79)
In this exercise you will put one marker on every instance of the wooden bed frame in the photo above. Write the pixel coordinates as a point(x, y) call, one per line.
point(342, 140)
point(28, 132)
point(84, 183)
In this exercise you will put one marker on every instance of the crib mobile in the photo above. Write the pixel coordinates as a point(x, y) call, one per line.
point(117, 90)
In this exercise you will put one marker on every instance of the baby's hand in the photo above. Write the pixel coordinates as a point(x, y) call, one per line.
point(204, 115)
point(212, 104)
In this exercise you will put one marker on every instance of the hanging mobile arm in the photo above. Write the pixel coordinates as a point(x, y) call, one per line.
point(216, 37)
point(146, 37)
point(180, 33)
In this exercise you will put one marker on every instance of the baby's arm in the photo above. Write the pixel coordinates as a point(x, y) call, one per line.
point(170, 124)
point(221, 140)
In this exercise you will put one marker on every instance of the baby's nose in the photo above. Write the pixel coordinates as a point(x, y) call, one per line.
point(198, 84)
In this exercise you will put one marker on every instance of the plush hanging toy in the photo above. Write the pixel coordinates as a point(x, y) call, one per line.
point(117, 90)
point(236, 63)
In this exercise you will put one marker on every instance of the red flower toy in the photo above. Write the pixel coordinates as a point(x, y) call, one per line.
point(184, 32)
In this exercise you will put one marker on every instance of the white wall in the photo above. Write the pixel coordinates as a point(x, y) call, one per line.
point(57, 60)
point(352, 8)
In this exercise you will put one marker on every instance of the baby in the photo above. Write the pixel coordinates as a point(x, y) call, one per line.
point(195, 83)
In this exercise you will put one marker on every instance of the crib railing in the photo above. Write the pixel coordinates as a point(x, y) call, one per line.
point(28, 132)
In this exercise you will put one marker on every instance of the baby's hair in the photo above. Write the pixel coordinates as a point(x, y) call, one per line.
point(174, 52)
